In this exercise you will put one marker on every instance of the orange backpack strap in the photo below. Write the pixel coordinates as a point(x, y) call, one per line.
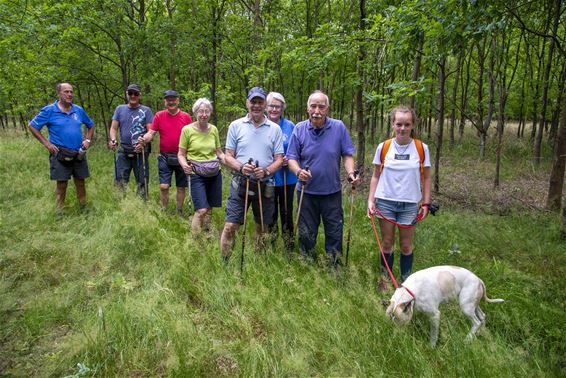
point(384, 150)
point(420, 150)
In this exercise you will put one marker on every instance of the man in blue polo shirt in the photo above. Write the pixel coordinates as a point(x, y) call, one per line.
point(64, 120)
point(320, 143)
point(253, 136)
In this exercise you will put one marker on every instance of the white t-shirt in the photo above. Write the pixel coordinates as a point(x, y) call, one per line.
point(400, 179)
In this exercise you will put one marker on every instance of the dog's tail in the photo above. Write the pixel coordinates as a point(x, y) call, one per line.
point(489, 300)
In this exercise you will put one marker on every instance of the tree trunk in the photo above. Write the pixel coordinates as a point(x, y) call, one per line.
point(556, 182)
point(361, 150)
point(440, 121)
point(417, 66)
point(459, 68)
point(546, 83)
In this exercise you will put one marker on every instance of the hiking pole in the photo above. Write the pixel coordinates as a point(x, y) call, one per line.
point(284, 193)
point(351, 218)
point(146, 191)
point(259, 196)
point(303, 183)
point(245, 216)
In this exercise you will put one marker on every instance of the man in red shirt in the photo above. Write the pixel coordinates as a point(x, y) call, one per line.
point(169, 123)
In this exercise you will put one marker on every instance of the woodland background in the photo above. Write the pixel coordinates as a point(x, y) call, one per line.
point(460, 63)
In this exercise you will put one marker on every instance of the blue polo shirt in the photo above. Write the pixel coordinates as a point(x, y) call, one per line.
point(259, 143)
point(64, 128)
point(287, 128)
point(322, 152)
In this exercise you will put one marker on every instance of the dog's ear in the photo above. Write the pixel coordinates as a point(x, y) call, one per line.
point(409, 307)
point(385, 303)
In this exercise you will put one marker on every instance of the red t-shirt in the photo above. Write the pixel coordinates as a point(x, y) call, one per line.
point(169, 128)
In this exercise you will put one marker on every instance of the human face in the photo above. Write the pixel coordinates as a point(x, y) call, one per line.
point(203, 114)
point(274, 110)
point(317, 109)
point(256, 108)
point(133, 97)
point(172, 104)
point(66, 94)
point(402, 126)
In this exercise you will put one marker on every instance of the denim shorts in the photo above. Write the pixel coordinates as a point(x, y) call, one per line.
point(400, 212)
point(235, 206)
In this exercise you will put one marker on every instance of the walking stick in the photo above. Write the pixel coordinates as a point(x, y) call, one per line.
point(351, 218)
point(245, 216)
point(284, 194)
point(259, 196)
point(146, 191)
point(303, 183)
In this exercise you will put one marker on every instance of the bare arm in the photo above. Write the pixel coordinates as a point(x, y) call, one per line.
point(39, 136)
point(372, 188)
point(302, 174)
point(350, 167)
point(220, 155)
point(88, 138)
point(426, 192)
point(273, 167)
point(182, 156)
point(148, 137)
point(113, 132)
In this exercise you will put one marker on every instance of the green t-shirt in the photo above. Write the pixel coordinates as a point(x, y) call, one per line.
point(200, 146)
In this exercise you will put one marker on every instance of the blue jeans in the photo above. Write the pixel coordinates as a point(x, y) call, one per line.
point(125, 165)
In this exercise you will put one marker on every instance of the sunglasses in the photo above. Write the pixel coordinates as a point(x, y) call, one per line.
point(130, 93)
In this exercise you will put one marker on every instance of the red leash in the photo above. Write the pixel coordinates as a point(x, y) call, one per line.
point(383, 254)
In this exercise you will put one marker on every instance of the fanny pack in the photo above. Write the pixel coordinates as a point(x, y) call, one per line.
point(171, 158)
point(66, 156)
point(207, 168)
point(128, 150)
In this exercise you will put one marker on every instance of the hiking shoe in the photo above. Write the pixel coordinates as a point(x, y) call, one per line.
point(384, 284)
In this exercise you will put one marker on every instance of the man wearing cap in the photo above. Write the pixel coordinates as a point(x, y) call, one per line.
point(321, 143)
point(257, 138)
point(133, 119)
point(64, 120)
point(169, 123)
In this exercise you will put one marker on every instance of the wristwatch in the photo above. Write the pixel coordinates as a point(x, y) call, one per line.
point(87, 140)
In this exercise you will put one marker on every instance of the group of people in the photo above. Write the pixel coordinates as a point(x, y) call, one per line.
point(271, 159)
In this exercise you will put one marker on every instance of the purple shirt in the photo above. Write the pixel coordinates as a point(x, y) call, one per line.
point(322, 153)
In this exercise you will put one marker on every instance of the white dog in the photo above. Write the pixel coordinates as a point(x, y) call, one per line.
point(426, 289)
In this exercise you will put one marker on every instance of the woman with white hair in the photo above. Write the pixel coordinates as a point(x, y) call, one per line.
point(285, 180)
point(200, 155)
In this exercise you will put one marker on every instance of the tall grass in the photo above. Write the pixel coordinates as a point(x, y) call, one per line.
point(124, 290)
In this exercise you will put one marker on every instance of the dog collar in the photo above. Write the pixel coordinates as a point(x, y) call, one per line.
point(408, 291)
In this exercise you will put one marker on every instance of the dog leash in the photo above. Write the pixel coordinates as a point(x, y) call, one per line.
point(385, 260)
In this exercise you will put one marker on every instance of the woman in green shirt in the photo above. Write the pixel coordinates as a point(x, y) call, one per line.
point(200, 155)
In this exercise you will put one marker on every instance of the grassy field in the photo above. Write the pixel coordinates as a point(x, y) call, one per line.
point(124, 290)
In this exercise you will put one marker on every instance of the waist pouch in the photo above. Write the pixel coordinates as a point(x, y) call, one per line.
point(207, 168)
point(128, 150)
point(239, 183)
point(171, 158)
point(66, 156)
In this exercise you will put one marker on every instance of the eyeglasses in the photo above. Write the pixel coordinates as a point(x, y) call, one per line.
point(275, 107)
point(131, 93)
point(203, 111)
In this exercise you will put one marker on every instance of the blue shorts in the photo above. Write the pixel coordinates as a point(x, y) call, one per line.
point(166, 173)
point(60, 171)
point(401, 212)
point(235, 205)
point(206, 192)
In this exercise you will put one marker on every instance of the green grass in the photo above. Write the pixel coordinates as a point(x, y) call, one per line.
point(125, 291)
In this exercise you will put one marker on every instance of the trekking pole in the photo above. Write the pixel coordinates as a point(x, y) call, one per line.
point(146, 191)
point(245, 216)
point(351, 218)
point(284, 193)
point(259, 196)
point(303, 183)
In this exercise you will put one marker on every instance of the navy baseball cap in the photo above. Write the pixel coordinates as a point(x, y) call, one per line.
point(133, 87)
point(170, 93)
point(257, 92)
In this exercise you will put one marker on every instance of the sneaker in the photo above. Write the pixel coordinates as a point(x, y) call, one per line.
point(384, 284)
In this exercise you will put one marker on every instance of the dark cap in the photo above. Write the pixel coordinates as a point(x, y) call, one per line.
point(257, 92)
point(170, 93)
point(133, 87)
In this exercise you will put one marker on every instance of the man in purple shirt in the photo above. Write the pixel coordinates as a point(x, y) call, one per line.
point(320, 143)
point(66, 146)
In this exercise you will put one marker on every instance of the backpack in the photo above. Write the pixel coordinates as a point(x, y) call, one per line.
point(420, 150)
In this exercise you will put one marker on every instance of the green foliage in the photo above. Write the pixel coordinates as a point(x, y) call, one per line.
point(125, 290)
